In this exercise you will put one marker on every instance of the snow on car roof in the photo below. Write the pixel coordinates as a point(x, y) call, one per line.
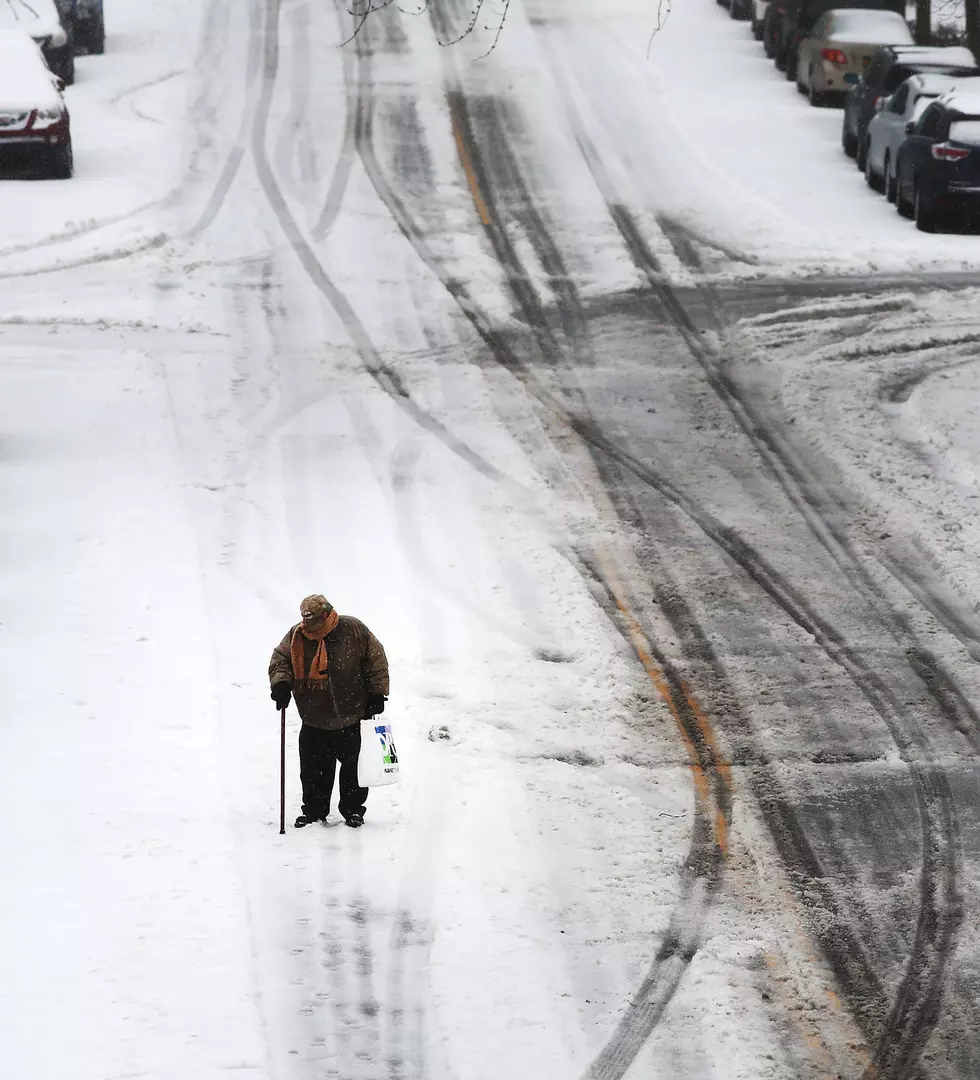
point(964, 103)
point(868, 27)
point(17, 46)
point(24, 76)
point(951, 55)
point(934, 80)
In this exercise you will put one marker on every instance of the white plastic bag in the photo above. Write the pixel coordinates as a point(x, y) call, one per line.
point(377, 763)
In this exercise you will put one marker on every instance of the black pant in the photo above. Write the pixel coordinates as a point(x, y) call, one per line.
point(319, 752)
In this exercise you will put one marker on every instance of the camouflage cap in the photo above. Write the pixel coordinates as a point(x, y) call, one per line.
point(315, 605)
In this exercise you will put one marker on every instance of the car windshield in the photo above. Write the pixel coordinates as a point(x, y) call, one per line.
point(20, 14)
point(966, 131)
point(872, 27)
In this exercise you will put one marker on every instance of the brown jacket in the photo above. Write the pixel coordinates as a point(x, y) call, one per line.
point(357, 666)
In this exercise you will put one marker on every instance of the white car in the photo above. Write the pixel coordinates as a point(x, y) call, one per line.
point(41, 20)
point(35, 129)
point(839, 46)
point(887, 130)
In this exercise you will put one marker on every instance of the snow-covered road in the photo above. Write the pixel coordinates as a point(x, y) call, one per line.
point(643, 437)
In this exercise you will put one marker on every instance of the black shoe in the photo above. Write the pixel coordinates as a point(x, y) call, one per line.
point(355, 821)
point(304, 819)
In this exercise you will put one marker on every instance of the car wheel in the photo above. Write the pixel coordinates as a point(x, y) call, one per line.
point(847, 139)
point(792, 65)
point(925, 218)
point(757, 26)
point(871, 178)
point(62, 163)
point(816, 98)
point(95, 37)
point(781, 59)
point(861, 157)
point(890, 180)
point(735, 9)
point(901, 205)
point(768, 39)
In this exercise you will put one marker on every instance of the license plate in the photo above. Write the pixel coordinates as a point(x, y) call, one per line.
point(851, 78)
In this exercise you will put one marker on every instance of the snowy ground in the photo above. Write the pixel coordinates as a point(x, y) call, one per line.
point(447, 339)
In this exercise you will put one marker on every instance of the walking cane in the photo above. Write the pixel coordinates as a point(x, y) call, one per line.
point(282, 776)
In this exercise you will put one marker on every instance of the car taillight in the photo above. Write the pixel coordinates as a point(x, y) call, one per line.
point(833, 56)
point(944, 152)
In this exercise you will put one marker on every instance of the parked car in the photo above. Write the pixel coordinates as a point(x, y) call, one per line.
point(938, 166)
point(737, 9)
point(797, 18)
point(35, 128)
point(40, 19)
point(772, 28)
point(85, 21)
point(837, 49)
point(887, 130)
point(890, 66)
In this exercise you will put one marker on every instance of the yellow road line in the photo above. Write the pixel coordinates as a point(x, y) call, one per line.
point(471, 177)
point(702, 785)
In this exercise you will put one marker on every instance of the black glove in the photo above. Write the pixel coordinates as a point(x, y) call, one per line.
point(375, 704)
point(281, 695)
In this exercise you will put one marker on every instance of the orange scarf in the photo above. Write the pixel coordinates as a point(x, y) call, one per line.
point(317, 677)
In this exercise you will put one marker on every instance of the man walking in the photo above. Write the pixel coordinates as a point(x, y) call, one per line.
point(338, 673)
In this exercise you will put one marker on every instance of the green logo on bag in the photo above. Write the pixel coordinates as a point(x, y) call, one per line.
point(388, 752)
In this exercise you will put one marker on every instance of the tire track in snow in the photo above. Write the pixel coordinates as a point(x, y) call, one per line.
point(914, 1011)
point(852, 957)
point(387, 378)
point(390, 383)
point(712, 780)
point(291, 148)
point(345, 159)
point(702, 872)
point(235, 156)
point(915, 1008)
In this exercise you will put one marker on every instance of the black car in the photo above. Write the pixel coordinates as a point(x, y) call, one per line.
point(938, 167)
point(86, 22)
point(788, 21)
point(890, 66)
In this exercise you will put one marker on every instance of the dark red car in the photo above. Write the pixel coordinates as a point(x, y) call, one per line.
point(35, 128)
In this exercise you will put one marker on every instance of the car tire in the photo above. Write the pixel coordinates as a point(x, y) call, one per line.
point(847, 140)
point(816, 98)
point(736, 9)
point(95, 38)
point(768, 38)
point(904, 208)
point(925, 219)
point(781, 59)
point(891, 184)
point(792, 65)
point(757, 26)
point(861, 157)
point(871, 178)
point(62, 163)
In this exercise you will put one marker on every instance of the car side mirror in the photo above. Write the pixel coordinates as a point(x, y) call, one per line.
point(910, 128)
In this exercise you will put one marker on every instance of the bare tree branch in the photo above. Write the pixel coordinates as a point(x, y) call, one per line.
point(663, 11)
